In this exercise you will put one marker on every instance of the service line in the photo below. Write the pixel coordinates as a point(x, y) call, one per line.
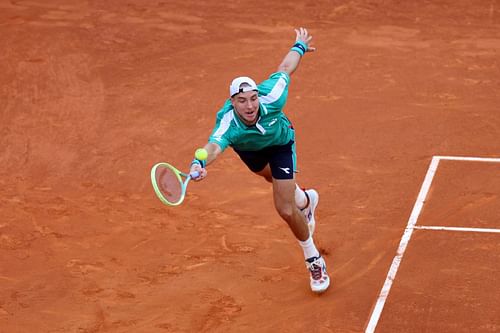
point(469, 159)
point(424, 227)
point(417, 208)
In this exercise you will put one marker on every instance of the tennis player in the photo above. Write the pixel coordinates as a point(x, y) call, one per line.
point(252, 122)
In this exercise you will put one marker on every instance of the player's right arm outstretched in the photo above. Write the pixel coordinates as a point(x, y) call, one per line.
point(213, 151)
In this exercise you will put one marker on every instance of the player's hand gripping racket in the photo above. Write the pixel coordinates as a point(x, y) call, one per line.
point(170, 184)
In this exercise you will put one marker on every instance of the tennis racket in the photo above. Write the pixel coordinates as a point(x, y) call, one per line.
point(169, 183)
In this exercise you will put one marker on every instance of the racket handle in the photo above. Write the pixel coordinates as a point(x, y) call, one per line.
point(194, 174)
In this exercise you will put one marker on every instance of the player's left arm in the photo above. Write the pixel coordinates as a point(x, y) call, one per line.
point(292, 59)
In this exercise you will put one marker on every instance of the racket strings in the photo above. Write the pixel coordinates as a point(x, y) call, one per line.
point(169, 184)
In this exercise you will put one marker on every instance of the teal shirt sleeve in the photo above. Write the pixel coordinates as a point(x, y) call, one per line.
point(221, 132)
point(273, 92)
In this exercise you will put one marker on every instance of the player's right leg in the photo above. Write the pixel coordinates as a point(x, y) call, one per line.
point(257, 162)
point(307, 201)
point(266, 173)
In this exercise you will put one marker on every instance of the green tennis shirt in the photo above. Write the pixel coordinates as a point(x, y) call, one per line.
point(272, 128)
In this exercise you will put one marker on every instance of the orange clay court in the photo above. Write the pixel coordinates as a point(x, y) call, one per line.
point(397, 119)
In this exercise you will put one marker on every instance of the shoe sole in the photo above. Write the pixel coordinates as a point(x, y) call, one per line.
point(323, 289)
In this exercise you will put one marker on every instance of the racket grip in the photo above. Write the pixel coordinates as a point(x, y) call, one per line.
point(194, 174)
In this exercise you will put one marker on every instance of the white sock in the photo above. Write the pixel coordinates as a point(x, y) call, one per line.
point(309, 248)
point(300, 197)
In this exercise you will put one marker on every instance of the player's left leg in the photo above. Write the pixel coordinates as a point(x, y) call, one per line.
point(277, 165)
point(305, 200)
point(287, 200)
point(284, 201)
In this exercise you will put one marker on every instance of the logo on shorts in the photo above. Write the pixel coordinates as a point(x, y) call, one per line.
point(285, 170)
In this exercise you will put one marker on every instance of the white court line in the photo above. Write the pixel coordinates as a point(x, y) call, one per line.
point(417, 208)
point(469, 159)
point(457, 229)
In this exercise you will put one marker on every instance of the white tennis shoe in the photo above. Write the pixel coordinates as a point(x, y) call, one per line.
point(309, 210)
point(320, 281)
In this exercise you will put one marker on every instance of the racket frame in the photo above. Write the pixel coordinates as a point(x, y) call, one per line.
point(179, 175)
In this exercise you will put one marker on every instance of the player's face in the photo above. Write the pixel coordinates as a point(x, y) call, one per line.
point(246, 105)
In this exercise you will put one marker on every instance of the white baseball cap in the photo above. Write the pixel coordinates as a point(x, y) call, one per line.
point(234, 88)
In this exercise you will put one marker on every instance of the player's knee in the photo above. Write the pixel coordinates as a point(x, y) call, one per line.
point(285, 211)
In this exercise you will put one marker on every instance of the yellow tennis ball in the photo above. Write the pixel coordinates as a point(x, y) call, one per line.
point(201, 154)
